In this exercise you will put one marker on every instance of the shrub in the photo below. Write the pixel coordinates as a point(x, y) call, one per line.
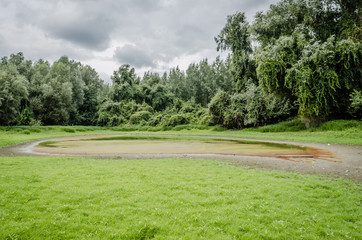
point(252, 107)
point(25, 117)
point(204, 120)
point(139, 117)
point(145, 107)
point(155, 120)
point(178, 119)
point(217, 106)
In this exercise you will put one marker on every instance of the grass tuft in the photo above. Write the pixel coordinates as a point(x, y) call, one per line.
point(68, 130)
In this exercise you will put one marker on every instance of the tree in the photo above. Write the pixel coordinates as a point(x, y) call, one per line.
point(13, 94)
point(235, 36)
point(310, 53)
point(124, 81)
point(93, 95)
point(318, 76)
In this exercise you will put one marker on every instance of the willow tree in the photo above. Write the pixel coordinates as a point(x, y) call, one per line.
point(310, 52)
point(319, 77)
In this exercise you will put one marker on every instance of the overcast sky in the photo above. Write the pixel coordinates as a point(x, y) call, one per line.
point(153, 35)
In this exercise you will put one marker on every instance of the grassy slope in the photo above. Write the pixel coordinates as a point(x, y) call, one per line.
point(82, 198)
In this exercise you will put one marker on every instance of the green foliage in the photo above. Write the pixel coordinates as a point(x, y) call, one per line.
point(111, 113)
point(252, 107)
point(13, 94)
point(356, 104)
point(235, 36)
point(174, 120)
point(26, 117)
point(64, 93)
point(217, 107)
point(140, 117)
point(306, 55)
point(319, 75)
point(319, 19)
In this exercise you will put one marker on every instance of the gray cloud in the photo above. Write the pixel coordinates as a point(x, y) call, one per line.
point(162, 30)
point(135, 56)
point(91, 34)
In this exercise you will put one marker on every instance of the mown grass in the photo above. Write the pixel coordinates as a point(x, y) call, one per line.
point(83, 198)
point(340, 132)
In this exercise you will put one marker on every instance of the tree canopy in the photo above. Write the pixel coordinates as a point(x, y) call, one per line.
point(300, 58)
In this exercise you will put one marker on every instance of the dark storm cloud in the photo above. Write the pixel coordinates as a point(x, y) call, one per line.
point(134, 56)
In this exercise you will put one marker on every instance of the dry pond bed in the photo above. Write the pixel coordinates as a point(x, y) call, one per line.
point(312, 158)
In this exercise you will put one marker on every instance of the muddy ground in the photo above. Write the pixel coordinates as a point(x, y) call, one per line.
point(328, 159)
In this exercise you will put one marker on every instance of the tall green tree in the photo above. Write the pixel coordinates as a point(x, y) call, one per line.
point(94, 93)
point(124, 81)
point(235, 37)
point(13, 93)
point(319, 77)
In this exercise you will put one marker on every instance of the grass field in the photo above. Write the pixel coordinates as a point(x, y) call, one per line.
point(82, 198)
point(85, 198)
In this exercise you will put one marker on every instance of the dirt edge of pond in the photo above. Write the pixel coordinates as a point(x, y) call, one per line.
point(334, 160)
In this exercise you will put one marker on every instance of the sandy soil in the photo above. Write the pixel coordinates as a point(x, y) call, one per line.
point(326, 159)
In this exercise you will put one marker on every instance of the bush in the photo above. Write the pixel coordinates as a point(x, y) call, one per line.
point(252, 107)
point(145, 107)
point(155, 120)
point(217, 106)
point(204, 120)
point(178, 119)
point(139, 117)
point(25, 117)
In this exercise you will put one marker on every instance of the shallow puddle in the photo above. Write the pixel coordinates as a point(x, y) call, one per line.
point(116, 145)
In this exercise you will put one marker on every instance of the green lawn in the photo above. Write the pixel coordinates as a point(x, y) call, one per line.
point(84, 198)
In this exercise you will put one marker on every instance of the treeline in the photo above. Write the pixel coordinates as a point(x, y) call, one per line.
point(65, 92)
point(308, 54)
point(302, 58)
point(69, 93)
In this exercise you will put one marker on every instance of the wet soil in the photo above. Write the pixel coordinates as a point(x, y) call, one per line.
point(322, 159)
